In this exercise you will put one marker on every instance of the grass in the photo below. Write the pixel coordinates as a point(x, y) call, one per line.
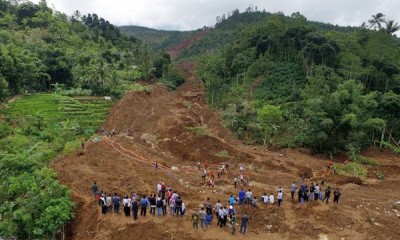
point(365, 161)
point(199, 130)
point(137, 87)
point(223, 154)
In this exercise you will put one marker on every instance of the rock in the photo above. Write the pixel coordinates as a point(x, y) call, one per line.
point(174, 168)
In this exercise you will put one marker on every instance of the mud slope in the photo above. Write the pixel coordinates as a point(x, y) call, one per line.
point(176, 129)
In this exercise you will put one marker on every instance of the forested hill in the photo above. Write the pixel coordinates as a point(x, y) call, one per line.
point(228, 28)
point(288, 82)
point(156, 39)
point(41, 48)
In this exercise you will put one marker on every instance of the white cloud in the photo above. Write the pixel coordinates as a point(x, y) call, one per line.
point(193, 14)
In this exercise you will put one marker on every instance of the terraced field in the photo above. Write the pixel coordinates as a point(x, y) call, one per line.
point(87, 113)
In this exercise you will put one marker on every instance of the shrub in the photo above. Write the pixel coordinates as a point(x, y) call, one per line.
point(199, 130)
point(353, 169)
point(365, 160)
point(380, 175)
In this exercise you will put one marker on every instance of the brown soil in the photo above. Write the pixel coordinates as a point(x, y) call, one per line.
point(157, 126)
point(175, 51)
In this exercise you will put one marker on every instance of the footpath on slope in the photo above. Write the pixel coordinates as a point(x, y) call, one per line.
point(157, 126)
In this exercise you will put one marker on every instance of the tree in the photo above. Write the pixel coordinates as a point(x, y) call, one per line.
point(268, 117)
point(3, 88)
point(101, 71)
point(211, 70)
point(391, 26)
point(376, 21)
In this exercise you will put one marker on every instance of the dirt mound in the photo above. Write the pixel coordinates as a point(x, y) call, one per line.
point(177, 130)
point(354, 180)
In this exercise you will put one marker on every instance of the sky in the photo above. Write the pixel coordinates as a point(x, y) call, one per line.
point(194, 14)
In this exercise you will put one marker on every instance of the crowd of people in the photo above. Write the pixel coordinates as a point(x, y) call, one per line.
point(157, 202)
point(165, 199)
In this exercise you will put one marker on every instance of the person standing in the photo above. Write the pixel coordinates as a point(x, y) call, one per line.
point(302, 196)
point(103, 204)
point(271, 198)
point(220, 217)
point(95, 189)
point(249, 197)
point(164, 206)
point(231, 200)
point(109, 203)
point(208, 206)
point(202, 216)
point(231, 211)
point(244, 222)
point(143, 206)
point(327, 194)
point(225, 216)
point(116, 201)
point(159, 188)
point(293, 188)
point(316, 192)
point(218, 205)
point(153, 203)
point(312, 189)
point(178, 206)
point(172, 205)
point(135, 208)
point(242, 195)
point(235, 182)
point(127, 205)
point(159, 205)
point(280, 197)
point(195, 220)
point(232, 222)
point(336, 195)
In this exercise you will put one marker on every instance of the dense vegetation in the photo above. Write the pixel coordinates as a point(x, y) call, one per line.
point(285, 81)
point(42, 50)
point(40, 47)
point(36, 128)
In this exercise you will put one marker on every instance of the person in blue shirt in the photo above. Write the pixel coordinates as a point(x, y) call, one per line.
point(116, 201)
point(242, 195)
point(231, 200)
point(143, 206)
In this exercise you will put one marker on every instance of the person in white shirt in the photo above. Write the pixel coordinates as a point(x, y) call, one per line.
point(264, 198)
point(127, 205)
point(316, 191)
point(159, 187)
point(271, 199)
point(280, 197)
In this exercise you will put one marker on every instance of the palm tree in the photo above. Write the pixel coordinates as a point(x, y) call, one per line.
point(376, 20)
point(101, 71)
point(392, 26)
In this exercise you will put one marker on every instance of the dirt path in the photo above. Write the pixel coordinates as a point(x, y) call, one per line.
point(156, 127)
